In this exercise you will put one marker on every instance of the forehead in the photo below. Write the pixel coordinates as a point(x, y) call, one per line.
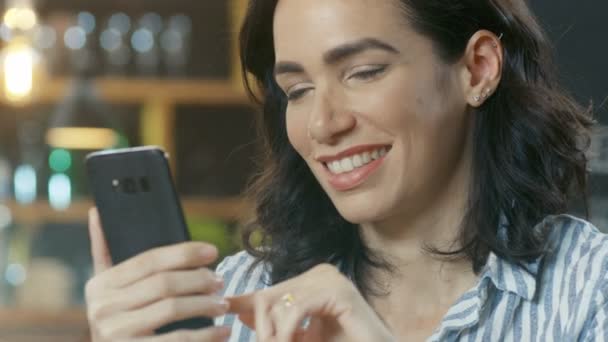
point(319, 25)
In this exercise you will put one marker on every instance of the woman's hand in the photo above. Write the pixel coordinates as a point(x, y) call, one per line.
point(130, 300)
point(336, 310)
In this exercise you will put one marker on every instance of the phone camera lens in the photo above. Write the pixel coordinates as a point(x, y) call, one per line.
point(115, 184)
point(144, 184)
point(129, 186)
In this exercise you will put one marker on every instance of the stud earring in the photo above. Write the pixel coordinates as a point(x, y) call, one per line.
point(477, 98)
point(484, 94)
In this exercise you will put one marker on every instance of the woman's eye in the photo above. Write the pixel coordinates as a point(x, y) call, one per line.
point(296, 94)
point(368, 73)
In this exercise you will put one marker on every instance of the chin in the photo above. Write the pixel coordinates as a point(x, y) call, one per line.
point(359, 211)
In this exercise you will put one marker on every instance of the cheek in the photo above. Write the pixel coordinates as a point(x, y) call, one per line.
point(429, 123)
point(297, 132)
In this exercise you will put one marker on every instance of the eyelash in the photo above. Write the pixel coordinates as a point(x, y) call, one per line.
point(370, 73)
point(294, 95)
point(361, 75)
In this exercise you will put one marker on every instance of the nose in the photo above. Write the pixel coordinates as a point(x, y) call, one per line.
point(329, 120)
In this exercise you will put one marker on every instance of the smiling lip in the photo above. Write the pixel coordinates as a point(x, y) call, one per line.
point(350, 180)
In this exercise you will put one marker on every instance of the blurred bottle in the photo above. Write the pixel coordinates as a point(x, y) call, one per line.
point(78, 39)
point(45, 41)
point(145, 43)
point(116, 50)
point(175, 42)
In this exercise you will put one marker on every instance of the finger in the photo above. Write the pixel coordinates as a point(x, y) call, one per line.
point(158, 287)
point(312, 303)
point(248, 319)
point(312, 333)
point(279, 315)
point(244, 307)
point(263, 322)
point(99, 248)
point(187, 255)
point(147, 319)
point(214, 334)
point(287, 321)
point(242, 304)
point(253, 310)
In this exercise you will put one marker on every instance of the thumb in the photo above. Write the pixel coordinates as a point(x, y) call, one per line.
point(99, 249)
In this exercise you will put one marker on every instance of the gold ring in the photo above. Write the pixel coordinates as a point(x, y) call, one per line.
point(288, 299)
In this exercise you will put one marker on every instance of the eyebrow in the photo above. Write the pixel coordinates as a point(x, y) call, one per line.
point(338, 54)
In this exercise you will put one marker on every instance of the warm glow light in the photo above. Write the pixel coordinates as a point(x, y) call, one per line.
point(23, 18)
point(81, 138)
point(18, 67)
point(11, 17)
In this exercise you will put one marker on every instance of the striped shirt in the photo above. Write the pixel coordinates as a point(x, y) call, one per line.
point(561, 296)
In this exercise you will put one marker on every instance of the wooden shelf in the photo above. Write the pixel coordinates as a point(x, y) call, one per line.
point(140, 90)
point(231, 209)
point(33, 325)
point(16, 317)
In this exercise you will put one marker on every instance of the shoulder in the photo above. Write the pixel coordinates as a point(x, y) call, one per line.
point(575, 273)
point(573, 241)
point(239, 276)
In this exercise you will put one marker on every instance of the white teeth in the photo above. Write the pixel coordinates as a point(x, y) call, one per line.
point(367, 158)
point(347, 164)
point(356, 161)
point(336, 167)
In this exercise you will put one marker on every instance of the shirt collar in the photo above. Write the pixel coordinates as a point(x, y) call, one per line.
point(498, 274)
point(518, 278)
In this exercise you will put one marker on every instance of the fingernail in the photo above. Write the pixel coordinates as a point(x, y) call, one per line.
point(219, 285)
point(93, 214)
point(208, 252)
point(223, 303)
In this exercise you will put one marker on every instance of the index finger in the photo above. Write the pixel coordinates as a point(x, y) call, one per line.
point(241, 304)
point(99, 248)
point(187, 255)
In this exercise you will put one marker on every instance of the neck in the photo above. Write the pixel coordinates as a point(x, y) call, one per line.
point(403, 240)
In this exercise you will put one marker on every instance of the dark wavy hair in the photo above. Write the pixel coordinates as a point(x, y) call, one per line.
point(528, 160)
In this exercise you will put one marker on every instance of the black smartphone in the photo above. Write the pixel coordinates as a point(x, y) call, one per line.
point(138, 206)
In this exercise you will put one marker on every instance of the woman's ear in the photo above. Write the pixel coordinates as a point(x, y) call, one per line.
point(482, 67)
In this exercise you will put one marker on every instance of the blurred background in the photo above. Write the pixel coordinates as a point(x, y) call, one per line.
point(77, 76)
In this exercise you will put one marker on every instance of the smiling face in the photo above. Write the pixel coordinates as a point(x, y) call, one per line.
point(379, 119)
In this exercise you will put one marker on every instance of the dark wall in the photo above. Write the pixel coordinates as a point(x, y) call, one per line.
point(579, 30)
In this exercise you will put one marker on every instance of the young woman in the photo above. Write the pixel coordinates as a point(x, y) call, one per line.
point(421, 157)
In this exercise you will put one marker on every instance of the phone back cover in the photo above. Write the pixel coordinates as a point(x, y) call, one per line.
point(140, 216)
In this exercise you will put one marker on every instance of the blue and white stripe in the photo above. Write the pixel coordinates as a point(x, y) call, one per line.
point(562, 296)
